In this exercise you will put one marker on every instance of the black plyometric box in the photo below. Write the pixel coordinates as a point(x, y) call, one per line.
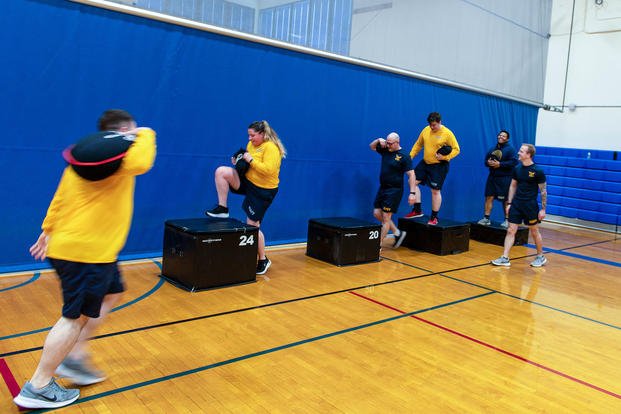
point(495, 234)
point(446, 237)
point(343, 240)
point(205, 253)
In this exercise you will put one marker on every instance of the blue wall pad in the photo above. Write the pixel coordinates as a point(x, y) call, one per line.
point(199, 91)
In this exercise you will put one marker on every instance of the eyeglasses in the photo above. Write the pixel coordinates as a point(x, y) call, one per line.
point(391, 143)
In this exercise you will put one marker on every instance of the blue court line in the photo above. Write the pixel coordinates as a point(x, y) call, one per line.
point(577, 256)
point(502, 293)
point(265, 352)
point(139, 298)
point(32, 279)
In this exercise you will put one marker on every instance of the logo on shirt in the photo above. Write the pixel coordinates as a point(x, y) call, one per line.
point(398, 157)
point(531, 174)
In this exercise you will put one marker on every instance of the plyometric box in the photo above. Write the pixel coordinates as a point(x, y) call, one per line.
point(447, 237)
point(495, 234)
point(343, 240)
point(205, 253)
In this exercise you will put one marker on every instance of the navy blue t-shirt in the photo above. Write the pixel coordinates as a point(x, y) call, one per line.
point(394, 165)
point(528, 180)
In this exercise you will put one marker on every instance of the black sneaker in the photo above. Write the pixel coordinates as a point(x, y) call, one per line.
point(263, 265)
point(218, 211)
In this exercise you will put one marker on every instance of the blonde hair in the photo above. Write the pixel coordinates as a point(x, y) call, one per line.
point(269, 135)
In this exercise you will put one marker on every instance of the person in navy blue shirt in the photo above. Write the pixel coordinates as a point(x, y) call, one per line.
point(528, 179)
point(500, 160)
point(395, 163)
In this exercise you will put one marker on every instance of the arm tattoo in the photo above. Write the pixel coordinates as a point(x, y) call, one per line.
point(544, 195)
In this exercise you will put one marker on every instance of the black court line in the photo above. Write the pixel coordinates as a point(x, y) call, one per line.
point(265, 352)
point(267, 305)
point(508, 294)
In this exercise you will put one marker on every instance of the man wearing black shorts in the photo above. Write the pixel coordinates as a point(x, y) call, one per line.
point(394, 164)
point(440, 147)
point(85, 228)
point(500, 160)
point(522, 207)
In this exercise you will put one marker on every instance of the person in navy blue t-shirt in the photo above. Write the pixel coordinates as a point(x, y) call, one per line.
point(528, 179)
point(500, 159)
point(395, 163)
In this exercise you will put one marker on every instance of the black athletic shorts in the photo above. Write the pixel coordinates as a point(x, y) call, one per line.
point(388, 199)
point(257, 199)
point(497, 187)
point(432, 175)
point(85, 285)
point(526, 212)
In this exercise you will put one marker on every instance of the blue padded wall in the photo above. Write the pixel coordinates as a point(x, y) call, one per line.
point(199, 91)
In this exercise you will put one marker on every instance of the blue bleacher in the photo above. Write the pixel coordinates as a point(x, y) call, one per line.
point(582, 183)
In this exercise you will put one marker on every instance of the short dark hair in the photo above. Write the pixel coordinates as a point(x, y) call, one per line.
point(434, 117)
point(113, 119)
point(506, 132)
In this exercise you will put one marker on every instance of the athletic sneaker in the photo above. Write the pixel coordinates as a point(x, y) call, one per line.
point(539, 261)
point(79, 373)
point(505, 224)
point(484, 222)
point(414, 214)
point(433, 221)
point(218, 211)
point(50, 396)
point(501, 261)
point(399, 239)
point(263, 265)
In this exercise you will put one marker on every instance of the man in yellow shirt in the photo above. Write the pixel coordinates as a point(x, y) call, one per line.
point(440, 147)
point(84, 230)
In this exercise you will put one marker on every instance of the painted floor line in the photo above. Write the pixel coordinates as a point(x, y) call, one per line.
point(495, 348)
point(586, 318)
point(138, 299)
point(264, 352)
point(32, 279)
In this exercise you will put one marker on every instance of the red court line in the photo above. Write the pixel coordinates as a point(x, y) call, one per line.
point(8, 377)
point(495, 348)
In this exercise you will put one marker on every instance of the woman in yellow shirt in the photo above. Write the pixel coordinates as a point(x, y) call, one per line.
point(264, 153)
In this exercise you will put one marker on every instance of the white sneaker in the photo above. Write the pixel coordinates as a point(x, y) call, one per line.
point(505, 224)
point(399, 239)
point(501, 261)
point(539, 261)
point(484, 222)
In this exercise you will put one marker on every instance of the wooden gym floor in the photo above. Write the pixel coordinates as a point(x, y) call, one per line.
point(412, 333)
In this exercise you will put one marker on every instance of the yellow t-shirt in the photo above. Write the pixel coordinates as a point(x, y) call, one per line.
point(265, 166)
point(88, 221)
point(432, 142)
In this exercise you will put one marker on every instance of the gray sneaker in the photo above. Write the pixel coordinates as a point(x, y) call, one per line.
point(399, 239)
point(484, 222)
point(501, 261)
point(79, 373)
point(505, 224)
point(539, 261)
point(50, 396)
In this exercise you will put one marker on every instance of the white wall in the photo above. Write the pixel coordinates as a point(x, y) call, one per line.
point(594, 77)
point(496, 45)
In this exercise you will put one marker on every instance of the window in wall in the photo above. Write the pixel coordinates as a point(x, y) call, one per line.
point(216, 12)
point(319, 24)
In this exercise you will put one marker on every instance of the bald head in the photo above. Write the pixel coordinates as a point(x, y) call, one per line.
point(393, 136)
